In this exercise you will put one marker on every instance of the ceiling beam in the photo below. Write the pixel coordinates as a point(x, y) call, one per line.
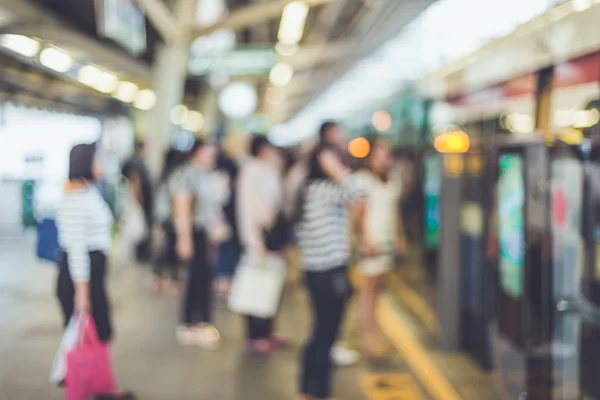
point(47, 26)
point(163, 20)
point(251, 15)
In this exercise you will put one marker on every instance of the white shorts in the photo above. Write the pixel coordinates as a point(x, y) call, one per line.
point(375, 266)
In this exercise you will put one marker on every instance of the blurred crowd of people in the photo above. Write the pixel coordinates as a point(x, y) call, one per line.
point(211, 211)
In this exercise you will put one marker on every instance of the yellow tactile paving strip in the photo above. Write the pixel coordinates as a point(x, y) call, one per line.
point(390, 387)
point(415, 356)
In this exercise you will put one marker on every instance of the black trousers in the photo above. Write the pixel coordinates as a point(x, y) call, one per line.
point(329, 292)
point(167, 261)
point(197, 301)
point(276, 239)
point(100, 307)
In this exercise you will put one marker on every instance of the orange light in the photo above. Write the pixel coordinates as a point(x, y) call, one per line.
point(452, 142)
point(382, 121)
point(359, 147)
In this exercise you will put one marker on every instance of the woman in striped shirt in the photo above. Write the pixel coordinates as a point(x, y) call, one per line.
point(84, 223)
point(324, 239)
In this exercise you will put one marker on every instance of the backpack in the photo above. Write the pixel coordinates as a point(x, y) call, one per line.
point(47, 241)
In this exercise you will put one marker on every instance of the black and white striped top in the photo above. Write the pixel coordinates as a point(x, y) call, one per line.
point(84, 223)
point(324, 228)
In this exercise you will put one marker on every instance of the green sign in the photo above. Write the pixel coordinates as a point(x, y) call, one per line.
point(28, 215)
point(239, 62)
point(511, 203)
point(256, 123)
point(433, 180)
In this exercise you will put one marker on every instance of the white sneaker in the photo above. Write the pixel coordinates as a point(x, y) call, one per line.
point(343, 356)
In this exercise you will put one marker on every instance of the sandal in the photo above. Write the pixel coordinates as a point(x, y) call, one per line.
point(208, 337)
point(260, 346)
point(279, 342)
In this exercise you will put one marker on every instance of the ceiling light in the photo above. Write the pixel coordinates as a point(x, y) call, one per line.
point(274, 95)
point(238, 100)
point(20, 44)
point(107, 83)
point(56, 59)
point(194, 122)
point(292, 23)
point(126, 92)
point(145, 100)
point(581, 5)
point(179, 114)
point(281, 74)
point(286, 50)
point(100, 80)
point(382, 121)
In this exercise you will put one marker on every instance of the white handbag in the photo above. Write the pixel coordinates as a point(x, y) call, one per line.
point(256, 288)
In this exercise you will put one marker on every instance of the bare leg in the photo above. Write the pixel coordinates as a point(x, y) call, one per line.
point(369, 296)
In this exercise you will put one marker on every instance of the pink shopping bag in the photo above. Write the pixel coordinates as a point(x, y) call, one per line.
point(89, 366)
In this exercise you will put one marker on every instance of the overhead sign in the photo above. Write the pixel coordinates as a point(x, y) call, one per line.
point(238, 62)
point(124, 22)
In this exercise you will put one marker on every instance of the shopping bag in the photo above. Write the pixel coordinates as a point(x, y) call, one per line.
point(89, 366)
point(256, 288)
point(59, 365)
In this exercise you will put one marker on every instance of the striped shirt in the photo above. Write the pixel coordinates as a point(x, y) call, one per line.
point(324, 229)
point(84, 223)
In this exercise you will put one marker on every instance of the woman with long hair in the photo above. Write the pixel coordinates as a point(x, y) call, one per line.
point(323, 229)
point(382, 236)
point(84, 223)
point(199, 194)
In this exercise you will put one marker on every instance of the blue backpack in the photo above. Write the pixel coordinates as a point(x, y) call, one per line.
point(47, 241)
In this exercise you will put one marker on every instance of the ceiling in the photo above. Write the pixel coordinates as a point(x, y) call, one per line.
point(337, 34)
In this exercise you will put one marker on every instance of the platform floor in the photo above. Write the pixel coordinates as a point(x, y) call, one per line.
point(148, 359)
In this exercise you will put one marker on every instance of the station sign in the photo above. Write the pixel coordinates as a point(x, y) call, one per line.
point(250, 61)
point(123, 21)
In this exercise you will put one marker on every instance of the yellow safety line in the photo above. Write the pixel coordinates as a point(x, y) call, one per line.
point(420, 307)
point(415, 355)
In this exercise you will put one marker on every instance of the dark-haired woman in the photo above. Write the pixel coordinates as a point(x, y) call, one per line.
point(84, 223)
point(324, 239)
point(199, 193)
point(382, 236)
point(166, 264)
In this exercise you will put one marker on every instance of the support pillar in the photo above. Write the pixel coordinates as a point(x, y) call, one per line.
point(169, 74)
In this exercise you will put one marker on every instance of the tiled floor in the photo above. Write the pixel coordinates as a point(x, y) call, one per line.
point(148, 359)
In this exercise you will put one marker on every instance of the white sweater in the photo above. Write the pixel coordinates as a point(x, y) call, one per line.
point(259, 201)
point(84, 223)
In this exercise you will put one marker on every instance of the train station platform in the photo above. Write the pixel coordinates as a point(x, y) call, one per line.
point(148, 359)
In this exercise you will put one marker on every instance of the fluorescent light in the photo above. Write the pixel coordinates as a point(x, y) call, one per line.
point(20, 44)
point(292, 23)
point(179, 114)
point(194, 122)
point(56, 59)
point(145, 100)
point(281, 74)
point(108, 83)
point(286, 50)
point(98, 79)
point(126, 92)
